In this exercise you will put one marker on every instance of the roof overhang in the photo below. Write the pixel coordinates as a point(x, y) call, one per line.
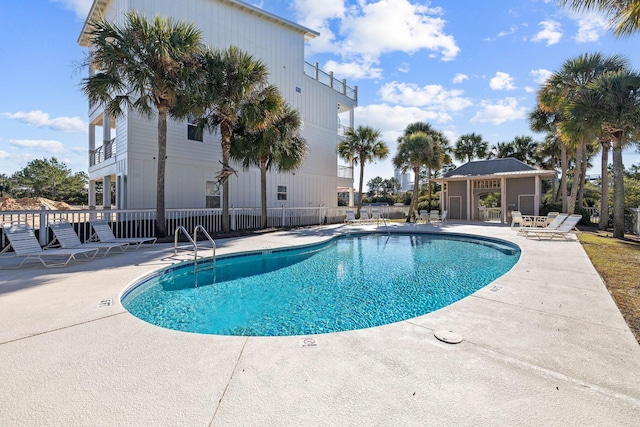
point(544, 174)
point(99, 7)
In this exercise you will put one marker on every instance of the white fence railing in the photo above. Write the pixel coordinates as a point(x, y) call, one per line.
point(141, 222)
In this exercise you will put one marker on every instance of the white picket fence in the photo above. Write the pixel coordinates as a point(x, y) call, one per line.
point(141, 222)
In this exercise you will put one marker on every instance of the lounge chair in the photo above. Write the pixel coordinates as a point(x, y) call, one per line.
point(443, 217)
point(518, 220)
point(434, 215)
point(104, 234)
point(423, 216)
point(66, 237)
point(557, 220)
point(350, 217)
point(551, 216)
point(25, 245)
point(562, 230)
point(375, 215)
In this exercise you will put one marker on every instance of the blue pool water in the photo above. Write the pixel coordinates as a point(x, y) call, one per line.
point(348, 283)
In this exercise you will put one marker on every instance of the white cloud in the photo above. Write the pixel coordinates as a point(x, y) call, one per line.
point(502, 81)
point(591, 27)
point(369, 30)
point(540, 75)
point(354, 70)
point(551, 33)
point(80, 7)
point(459, 78)
point(50, 146)
point(39, 118)
point(4, 155)
point(405, 67)
point(392, 120)
point(432, 97)
point(499, 112)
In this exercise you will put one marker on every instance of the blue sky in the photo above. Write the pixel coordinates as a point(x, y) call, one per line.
point(463, 66)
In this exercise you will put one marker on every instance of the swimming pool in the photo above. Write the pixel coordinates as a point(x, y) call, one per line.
point(350, 282)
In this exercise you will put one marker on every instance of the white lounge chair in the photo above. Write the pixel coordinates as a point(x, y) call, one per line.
point(375, 215)
point(350, 217)
point(423, 216)
point(518, 220)
point(66, 237)
point(557, 220)
point(443, 217)
point(562, 230)
point(103, 233)
point(25, 245)
point(434, 215)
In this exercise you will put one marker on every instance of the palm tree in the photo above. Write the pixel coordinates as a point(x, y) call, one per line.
point(470, 146)
point(557, 94)
point(420, 145)
point(613, 100)
point(275, 144)
point(625, 14)
point(145, 67)
point(502, 150)
point(524, 149)
point(362, 145)
point(233, 79)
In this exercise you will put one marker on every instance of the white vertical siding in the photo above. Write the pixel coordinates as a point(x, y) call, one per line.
point(190, 164)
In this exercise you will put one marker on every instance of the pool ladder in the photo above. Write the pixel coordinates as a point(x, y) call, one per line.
point(194, 243)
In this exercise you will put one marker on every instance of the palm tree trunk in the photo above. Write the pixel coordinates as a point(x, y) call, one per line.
point(360, 189)
point(263, 192)
point(618, 187)
point(603, 223)
point(225, 134)
point(416, 190)
point(577, 173)
point(563, 178)
point(429, 188)
point(161, 224)
point(583, 176)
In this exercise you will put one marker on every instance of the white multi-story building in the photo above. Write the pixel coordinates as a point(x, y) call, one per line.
point(123, 151)
point(404, 179)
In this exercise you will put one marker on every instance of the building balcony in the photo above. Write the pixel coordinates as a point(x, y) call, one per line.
point(328, 79)
point(102, 153)
point(345, 172)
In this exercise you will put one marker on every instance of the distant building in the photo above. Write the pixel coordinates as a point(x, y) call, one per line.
point(404, 179)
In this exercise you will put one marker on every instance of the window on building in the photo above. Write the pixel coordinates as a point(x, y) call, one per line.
point(213, 195)
point(282, 192)
point(193, 132)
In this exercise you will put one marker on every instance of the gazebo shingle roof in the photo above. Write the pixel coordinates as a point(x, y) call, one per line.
point(490, 167)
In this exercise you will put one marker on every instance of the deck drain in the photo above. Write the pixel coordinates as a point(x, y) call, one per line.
point(495, 288)
point(308, 342)
point(449, 337)
point(105, 303)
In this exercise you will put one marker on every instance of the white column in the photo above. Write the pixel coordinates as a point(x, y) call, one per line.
point(503, 199)
point(469, 191)
point(536, 197)
point(106, 192)
point(92, 194)
point(106, 128)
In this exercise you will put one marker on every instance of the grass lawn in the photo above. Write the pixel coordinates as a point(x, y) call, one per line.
point(618, 262)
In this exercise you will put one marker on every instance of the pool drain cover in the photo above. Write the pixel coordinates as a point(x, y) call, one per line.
point(449, 337)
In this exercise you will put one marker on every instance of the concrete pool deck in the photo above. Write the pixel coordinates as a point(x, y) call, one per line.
point(543, 345)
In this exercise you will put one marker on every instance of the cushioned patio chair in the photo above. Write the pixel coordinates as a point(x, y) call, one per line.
point(66, 237)
point(561, 230)
point(434, 215)
point(25, 245)
point(104, 234)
